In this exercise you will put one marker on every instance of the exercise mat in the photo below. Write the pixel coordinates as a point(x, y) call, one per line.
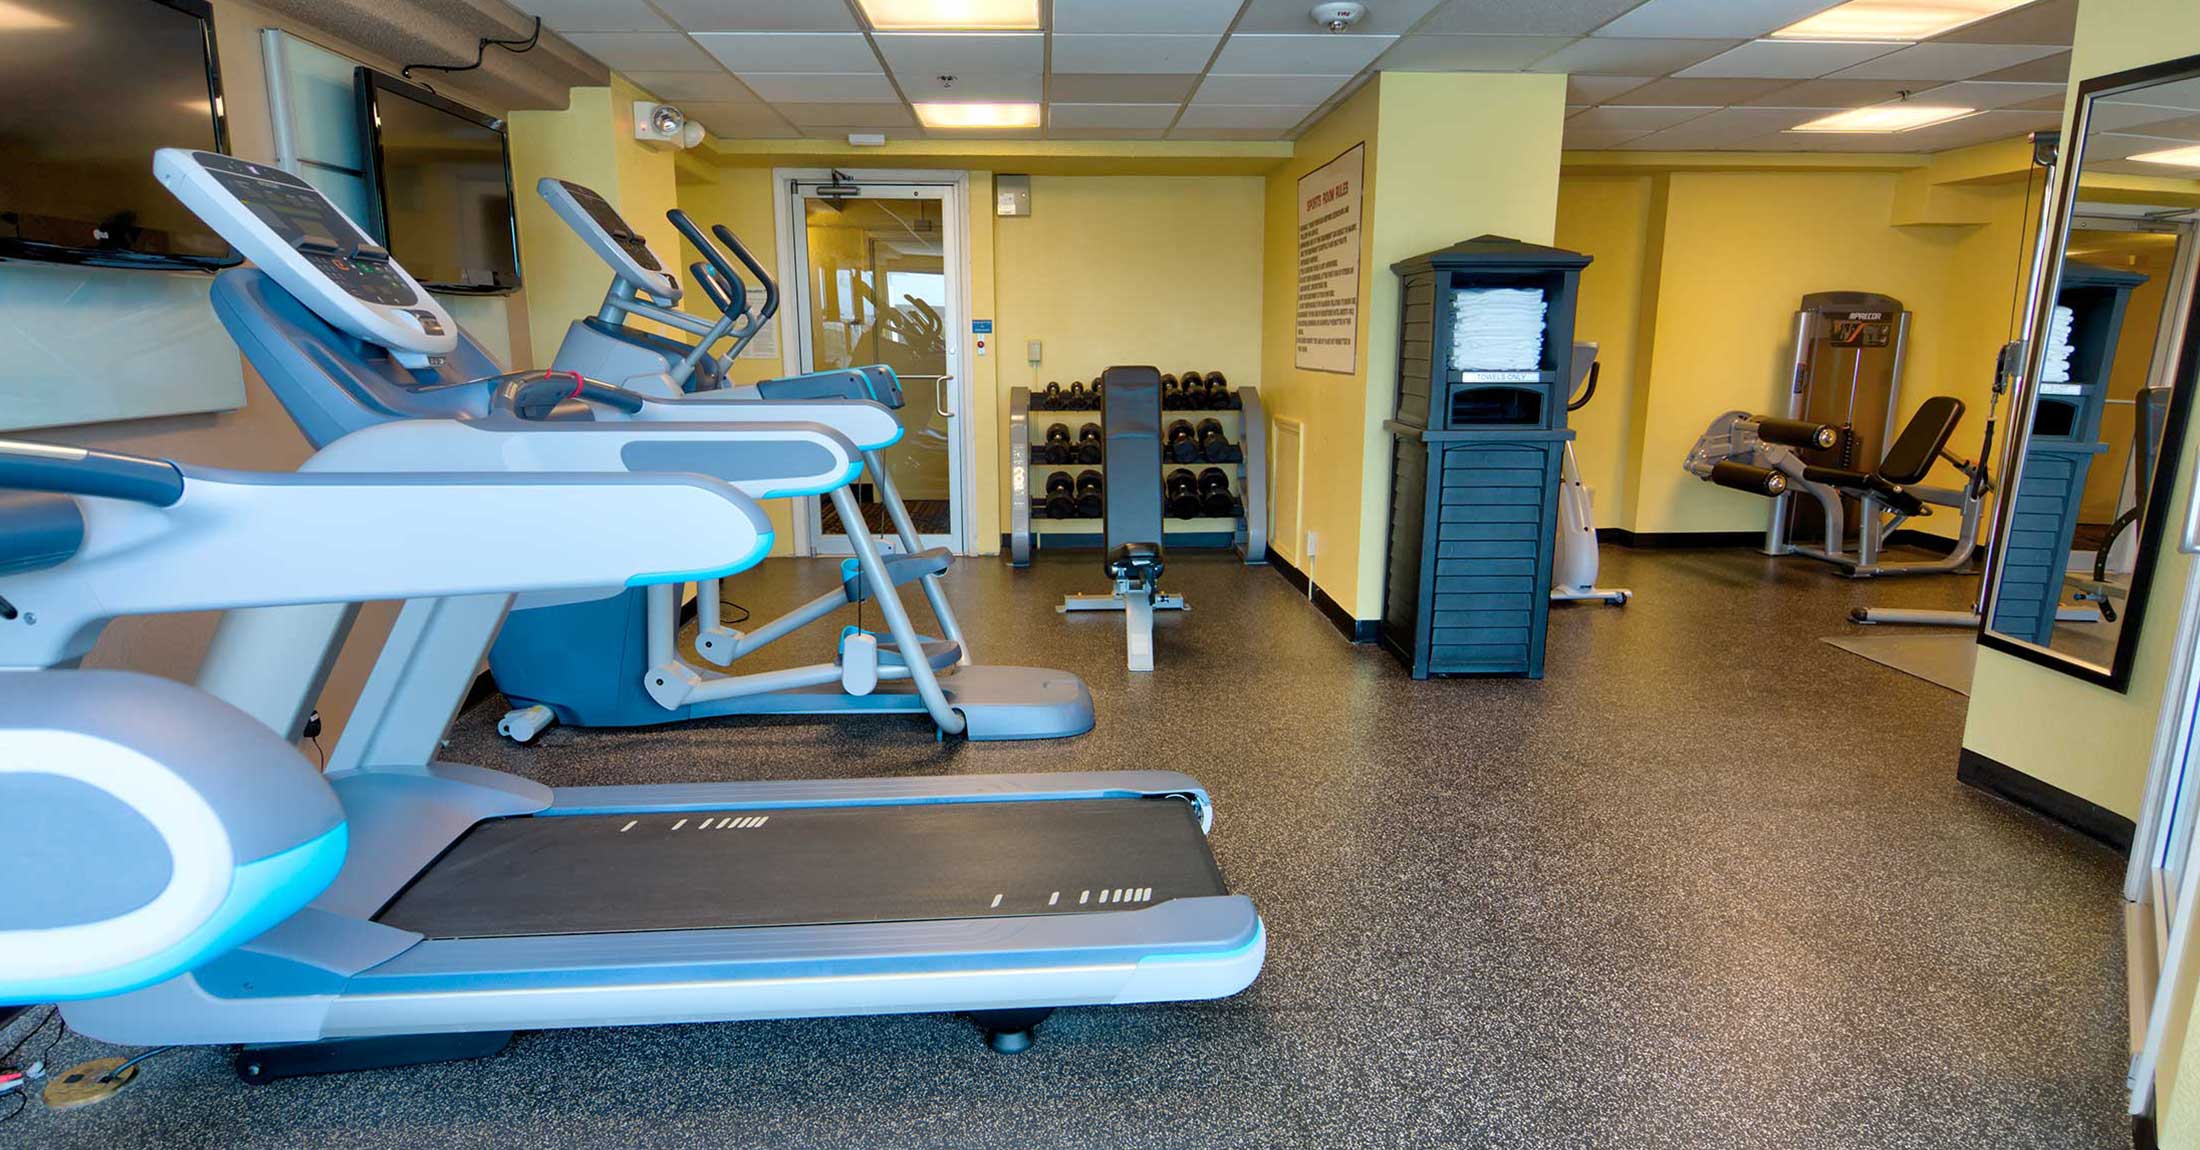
point(1944, 658)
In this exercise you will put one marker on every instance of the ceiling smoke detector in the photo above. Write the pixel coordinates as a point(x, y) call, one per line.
point(1336, 17)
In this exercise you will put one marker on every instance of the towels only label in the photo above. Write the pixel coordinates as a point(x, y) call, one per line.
point(1327, 328)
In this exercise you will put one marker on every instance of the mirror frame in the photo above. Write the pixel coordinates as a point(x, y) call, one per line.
point(2060, 209)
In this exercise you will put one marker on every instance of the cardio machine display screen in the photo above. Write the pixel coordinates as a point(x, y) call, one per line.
point(440, 186)
point(89, 90)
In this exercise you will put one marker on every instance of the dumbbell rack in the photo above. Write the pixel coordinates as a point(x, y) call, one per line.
point(1246, 533)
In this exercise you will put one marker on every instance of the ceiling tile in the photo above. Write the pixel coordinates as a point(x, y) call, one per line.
point(1271, 90)
point(791, 51)
point(1121, 55)
point(1637, 119)
point(2049, 22)
point(740, 121)
point(1198, 132)
point(685, 88)
point(1448, 53)
point(1155, 116)
point(1792, 59)
point(1980, 94)
point(2053, 69)
point(1830, 94)
point(595, 15)
point(835, 115)
point(1063, 133)
point(1938, 61)
point(1717, 92)
point(1318, 53)
point(970, 87)
point(644, 51)
point(1725, 128)
point(1734, 19)
point(1295, 17)
point(1601, 56)
point(760, 15)
point(2107, 116)
point(995, 53)
point(814, 88)
point(1099, 88)
point(1243, 116)
point(1516, 18)
point(1598, 89)
point(1598, 138)
point(1982, 128)
point(1135, 16)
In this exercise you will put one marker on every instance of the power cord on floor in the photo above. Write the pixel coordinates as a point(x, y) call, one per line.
point(17, 1080)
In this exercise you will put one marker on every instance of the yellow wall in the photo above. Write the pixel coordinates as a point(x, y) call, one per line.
point(1693, 295)
point(592, 143)
point(1329, 476)
point(1450, 157)
point(1161, 270)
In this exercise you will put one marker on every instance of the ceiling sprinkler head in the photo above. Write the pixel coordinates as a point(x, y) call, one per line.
point(1340, 15)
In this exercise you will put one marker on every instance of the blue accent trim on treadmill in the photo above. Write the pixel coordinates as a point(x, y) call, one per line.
point(849, 567)
point(261, 893)
point(855, 468)
point(899, 431)
point(755, 556)
point(1259, 939)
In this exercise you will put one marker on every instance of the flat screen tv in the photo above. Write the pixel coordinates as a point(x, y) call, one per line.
point(89, 89)
point(439, 186)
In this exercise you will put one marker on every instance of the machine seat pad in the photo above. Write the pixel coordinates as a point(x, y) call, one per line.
point(1891, 495)
point(1130, 559)
point(1921, 440)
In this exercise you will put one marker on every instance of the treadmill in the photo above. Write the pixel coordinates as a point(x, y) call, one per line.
point(474, 903)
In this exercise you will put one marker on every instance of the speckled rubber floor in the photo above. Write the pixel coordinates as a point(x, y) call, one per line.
point(1712, 883)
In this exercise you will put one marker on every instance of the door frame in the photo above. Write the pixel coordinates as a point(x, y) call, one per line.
point(961, 351)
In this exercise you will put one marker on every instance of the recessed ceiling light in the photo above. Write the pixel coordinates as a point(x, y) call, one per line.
point(2185, 157)
point(978, 115)
point(951, 15)
point(1886, 118)
point(1894, 20)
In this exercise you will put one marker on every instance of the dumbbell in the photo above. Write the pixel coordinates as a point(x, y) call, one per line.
point(1181, 442)
point(1056, 450)
point(1099, 394)
point(1077, 399)
point(1180, 494)
point(1218, 396)
point(1173, 392)
point(1214, 446)
point(1089, 449)
point(1092, 494)
point(1061, 496)
point(1215, 499)
point(1051, 399)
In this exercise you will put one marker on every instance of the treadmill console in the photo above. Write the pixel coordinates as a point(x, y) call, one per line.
point(294, 234)
point(600, 226)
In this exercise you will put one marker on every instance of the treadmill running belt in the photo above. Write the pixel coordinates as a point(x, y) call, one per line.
point(798, 866)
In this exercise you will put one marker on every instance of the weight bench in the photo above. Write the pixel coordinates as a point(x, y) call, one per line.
point(1130, 422)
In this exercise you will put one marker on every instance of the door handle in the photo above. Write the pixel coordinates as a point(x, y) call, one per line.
point(939, 396)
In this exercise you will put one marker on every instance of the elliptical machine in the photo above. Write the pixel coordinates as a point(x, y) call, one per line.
point(617, 662)
point(1574, 564)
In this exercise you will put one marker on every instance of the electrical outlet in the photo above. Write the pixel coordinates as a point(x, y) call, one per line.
point(1034, 352)
point(1313, 544)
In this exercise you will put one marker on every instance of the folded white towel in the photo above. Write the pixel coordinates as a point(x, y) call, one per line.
point(1497, 329)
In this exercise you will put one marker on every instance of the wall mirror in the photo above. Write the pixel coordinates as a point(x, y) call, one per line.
point(2106, 382)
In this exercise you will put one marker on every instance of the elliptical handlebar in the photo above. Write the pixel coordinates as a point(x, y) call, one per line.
point(730, 299)
point(741, 252)
point(1589, 389)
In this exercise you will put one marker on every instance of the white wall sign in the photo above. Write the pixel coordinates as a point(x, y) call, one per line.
point(1328, 321)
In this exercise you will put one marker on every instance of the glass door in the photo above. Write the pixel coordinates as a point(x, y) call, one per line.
point(880, 264)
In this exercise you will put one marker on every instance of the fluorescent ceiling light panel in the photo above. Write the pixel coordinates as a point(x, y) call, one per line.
point(1886, 118)
point(951, 15)
point(17, 18)
point(978, 115)
point(1894, 20)
point(2185, 157)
